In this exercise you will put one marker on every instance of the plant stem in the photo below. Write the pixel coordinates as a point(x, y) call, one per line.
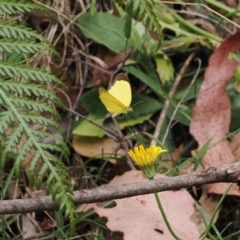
point(165, 217)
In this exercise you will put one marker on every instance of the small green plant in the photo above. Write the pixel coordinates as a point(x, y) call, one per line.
point(26, 99)
point(144, 10)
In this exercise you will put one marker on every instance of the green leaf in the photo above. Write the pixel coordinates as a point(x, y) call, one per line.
point(85, 128)
point(179, 116)
point(142, 105)
point(156, 87)
point(133, 121)
point(92, 103)
point(146, 60)
point(105, 29)
point(128, 19)
point(164, 67)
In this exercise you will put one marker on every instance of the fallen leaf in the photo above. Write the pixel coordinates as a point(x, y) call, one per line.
point(47, 224)
point(96, 147)
point(208, 203)
point(212, 112)
point(29, 226)
point(14, 190)
point(139, 217)
point(208, 26)
point(111, 61)
point(235, 146)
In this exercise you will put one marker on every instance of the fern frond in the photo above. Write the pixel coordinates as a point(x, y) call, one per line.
point(7, 118)
point(17, 6)
point(52, 165)
point(21, 156)
point(27, 73)
point(12, 142)
point(59, 149)
point(46, 135)
point(22, 46)
point(36, 119)
point(24, 98)
point(13, 30)
point(25, 88)
point(31, 105)
point(146, 13)
point(62, 191)
point(34, 161)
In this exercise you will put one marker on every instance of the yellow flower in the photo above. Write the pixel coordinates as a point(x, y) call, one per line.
point(145, 158)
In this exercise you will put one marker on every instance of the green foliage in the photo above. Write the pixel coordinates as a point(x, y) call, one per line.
point(103, 28)
point(17, 6)
point(144, 9)
point(145, 13)
point(111, 31)
point(143, 108)
point(13, 30)
point(25, 101)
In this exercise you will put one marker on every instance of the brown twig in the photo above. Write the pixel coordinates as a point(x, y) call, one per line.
point(124, 144)
point(229, 172)
point(167, 103)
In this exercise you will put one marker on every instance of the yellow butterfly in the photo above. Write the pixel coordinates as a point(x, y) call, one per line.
point(118, 98)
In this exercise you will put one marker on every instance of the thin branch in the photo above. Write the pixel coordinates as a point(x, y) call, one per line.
point(229, 172)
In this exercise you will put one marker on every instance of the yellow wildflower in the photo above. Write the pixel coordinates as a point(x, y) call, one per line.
point(145, 158)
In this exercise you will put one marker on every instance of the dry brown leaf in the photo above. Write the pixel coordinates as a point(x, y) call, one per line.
point(212, 112)
point(111, 60)
point(232, 3)
point(14, 191)
point(208, 26)
point(47, 224)
point(235, 146)
point(96, 147)
point(209, 202)
point(220, 188)
point(139, 217)
point(29, 226)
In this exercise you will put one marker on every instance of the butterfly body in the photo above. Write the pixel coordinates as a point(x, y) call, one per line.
point(118, 98)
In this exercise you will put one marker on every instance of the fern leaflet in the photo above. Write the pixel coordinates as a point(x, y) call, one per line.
point(24, 102)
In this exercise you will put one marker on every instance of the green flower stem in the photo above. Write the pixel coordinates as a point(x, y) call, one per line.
point(165, 217)
point(215, 212)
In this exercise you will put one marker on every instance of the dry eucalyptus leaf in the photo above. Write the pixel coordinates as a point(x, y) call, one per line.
point(212, 112)
point(96, 147)
point(139, 217)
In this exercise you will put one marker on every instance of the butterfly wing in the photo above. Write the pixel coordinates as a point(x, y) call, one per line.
point(113, 105)
point(121, 90)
